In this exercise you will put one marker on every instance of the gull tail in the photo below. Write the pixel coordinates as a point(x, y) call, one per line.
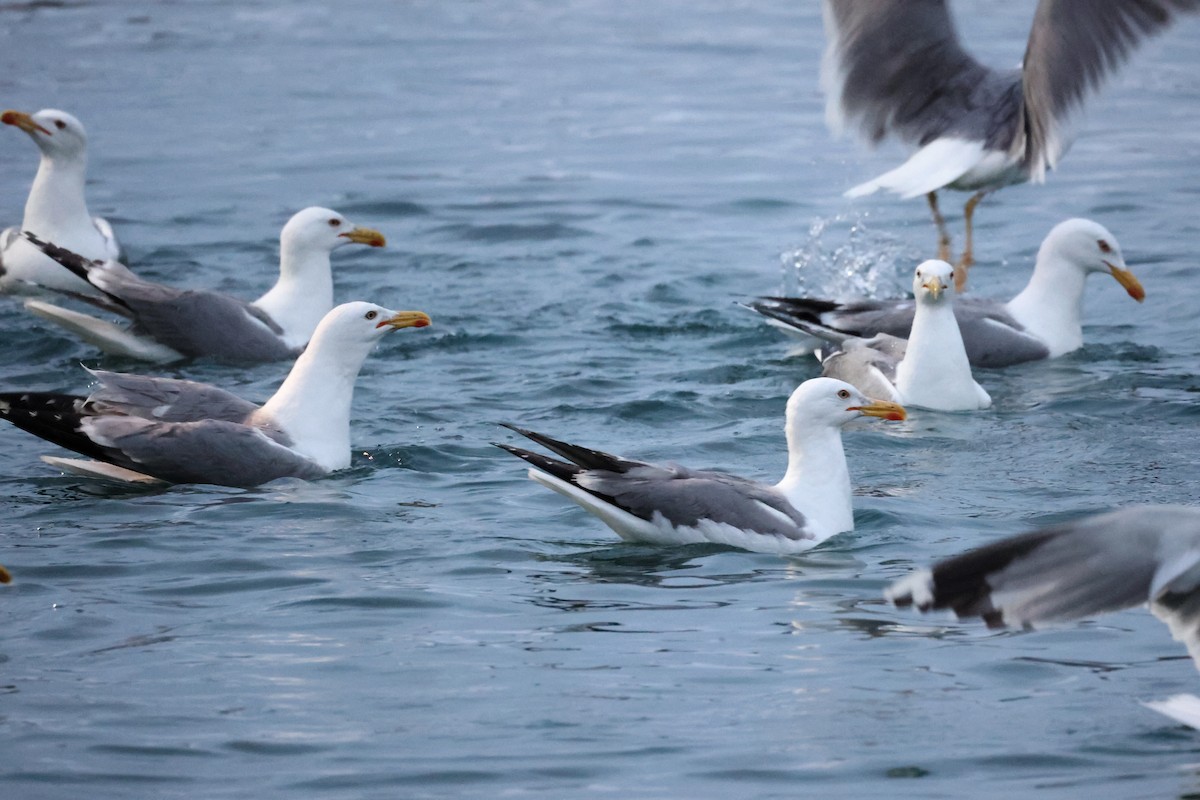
point(99, 469)
point(941, 162)
point(112, 339)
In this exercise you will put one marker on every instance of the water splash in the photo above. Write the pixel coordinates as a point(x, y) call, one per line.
point(844, 258)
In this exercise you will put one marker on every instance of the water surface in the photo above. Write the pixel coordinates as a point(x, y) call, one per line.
point(577, 192)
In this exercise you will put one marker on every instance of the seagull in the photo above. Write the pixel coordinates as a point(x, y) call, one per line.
point(1043, 321)
point(1100, 563)
point(146, 430)
point(668, 504)
point(929, 370)
point(56, 207)
point(897, 68)
point(167, 324)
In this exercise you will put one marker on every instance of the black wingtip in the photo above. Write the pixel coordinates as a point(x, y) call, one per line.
point(76, 263)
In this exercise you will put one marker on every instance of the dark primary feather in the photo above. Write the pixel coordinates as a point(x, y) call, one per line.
point(1076, 569)
point(57, 418)
point(980, 321)
point(193, 322)
point(683, 496)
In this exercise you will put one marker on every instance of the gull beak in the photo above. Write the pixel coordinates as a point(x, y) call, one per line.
point(365, 236)
point(406, 319)
point(882, 409)
point(935, 287)
point(23, 121)
point(1127, 280)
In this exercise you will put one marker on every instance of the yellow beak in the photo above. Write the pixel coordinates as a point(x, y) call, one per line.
point(23, 121)
point(1127, 280)
point(365, 236)
point(935, 287)
point(407, 319)
point(882, 409)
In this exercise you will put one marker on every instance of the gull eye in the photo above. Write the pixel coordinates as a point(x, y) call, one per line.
point(333, 223)
point(1105, 247)
point(58, 123)
point(371, 314)
point(844, 394)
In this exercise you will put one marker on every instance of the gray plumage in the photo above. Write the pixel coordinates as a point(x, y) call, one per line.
point(185, 432)
point(867, 364)
point(174, 430)
point(165, 399)
point(682, 496)
point(897, 67)
point(991, 336)
point(192, 322)
point(1093, 565)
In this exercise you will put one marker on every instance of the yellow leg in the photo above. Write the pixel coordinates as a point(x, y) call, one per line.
point(940, 221)
point(968, 257)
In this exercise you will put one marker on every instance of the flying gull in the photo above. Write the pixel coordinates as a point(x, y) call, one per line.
point(929, 370)
point(167, 324)
point(56, 207)
point(1100, 563)
point(669, 504)
point(1043, 321)
point(897, 68)
point(142, 428)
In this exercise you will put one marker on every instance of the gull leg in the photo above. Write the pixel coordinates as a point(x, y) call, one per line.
point(940, 221)
point(968, 256)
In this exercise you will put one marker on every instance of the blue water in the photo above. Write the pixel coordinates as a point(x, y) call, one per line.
point(576, 192)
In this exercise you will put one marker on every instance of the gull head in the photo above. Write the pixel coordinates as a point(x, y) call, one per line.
point(56, 133)
point(828, 402)
point(1090, 247)
point(356, 326)
point(323, 229)
point(933, 282)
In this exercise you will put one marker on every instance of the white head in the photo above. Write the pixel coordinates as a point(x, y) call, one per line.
point(933, 282)
point(355, 327)
point(828, 402)
point(1089, 247)
point(56, 133)
point(324, 230)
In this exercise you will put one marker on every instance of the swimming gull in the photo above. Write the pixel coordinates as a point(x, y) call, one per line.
point(167, 324)
point(670, 504)
point(1092, 565)
point(897, 68)
point(142, 428)
point(929, 370)
point(56, 207)
point(1043, 321)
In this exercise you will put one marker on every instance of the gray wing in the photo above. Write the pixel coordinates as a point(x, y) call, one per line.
point(687, 497)
point(1078, 569)
point(209, 451)
point(199, 323)
point(897, 67)
point(992, 337)
point(868, 364)
point(165, 399)
point(1073, 46)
